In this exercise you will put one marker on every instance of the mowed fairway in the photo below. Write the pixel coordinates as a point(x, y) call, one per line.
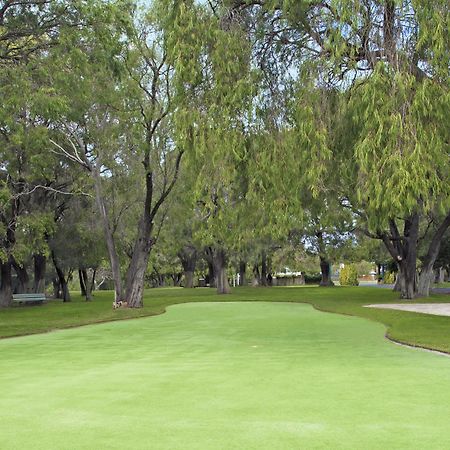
point(223, 376)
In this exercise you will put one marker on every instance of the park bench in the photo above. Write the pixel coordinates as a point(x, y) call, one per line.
point(28, 298)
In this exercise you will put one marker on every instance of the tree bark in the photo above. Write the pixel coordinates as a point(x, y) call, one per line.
point(325, 265)
point(40, 264)
point(63, 283)
point(398, 282)
point(220, 270)
point(242, 270)
point(134, 281)
point(109, 237)
point(188, 258)
point(425, 279)
point(56, 288)
point(82, 283)
point(263, 277)
point(404, 251)
point(5, 284)
point(325, 269)
point(23, 279)
point(85, 285)
point(211, 271)
point(426, 274)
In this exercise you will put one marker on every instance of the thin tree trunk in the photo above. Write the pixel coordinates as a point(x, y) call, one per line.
point(63, 282)
point(5, 284)
point(256, 276)
point(82, 283)
point(242, 269)
point(94, 273)
point(209, 257)
point(85, 285)
point(263, 277)
point(109, 237)
point(40, 264)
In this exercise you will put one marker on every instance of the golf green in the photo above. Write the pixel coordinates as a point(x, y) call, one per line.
point(223, 376)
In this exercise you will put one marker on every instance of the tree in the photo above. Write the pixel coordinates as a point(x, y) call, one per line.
point(389, 63)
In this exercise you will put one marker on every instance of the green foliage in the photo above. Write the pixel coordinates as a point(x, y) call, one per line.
point(348, 275)
point(389, 278)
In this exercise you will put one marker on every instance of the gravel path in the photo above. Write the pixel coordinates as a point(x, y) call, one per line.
point(437, 309)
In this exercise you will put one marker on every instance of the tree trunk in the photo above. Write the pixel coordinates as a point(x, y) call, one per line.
point(220, 270)
point(263, 277)
point(109, 237)
point(82, 283)
point(407, 279)
point(210, 261)
point(242, 269)
point(325, 269)
point(441, 275)
point(85, 285)
point(404, 251)
point(23, 279)
point(5, 284)
point(63, 282)
point(56, 288)
point(325, 265)
point(426, 274)
point(188, 279)
point(256, 276)
point(425, 279)
point(398, 282)
point(188, 258)
point(40, 264)
point(176, 278)
point(134, 284)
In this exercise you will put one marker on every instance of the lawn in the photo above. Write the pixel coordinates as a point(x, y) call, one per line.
point(233, 375)
point(415, 329)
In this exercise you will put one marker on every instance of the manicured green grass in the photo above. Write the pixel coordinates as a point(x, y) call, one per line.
point(411, 328)
point(224, 376)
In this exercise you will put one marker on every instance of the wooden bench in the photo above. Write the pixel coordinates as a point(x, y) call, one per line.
point(28, 298)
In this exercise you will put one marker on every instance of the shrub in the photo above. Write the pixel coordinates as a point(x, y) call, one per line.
point(389, 278)
point(348, 276)
point(313, 278)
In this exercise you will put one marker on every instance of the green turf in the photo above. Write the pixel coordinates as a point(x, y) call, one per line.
point(412, 328)
point(223, 376)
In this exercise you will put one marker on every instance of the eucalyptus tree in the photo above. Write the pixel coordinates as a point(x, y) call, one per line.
point(389, 62)
point(30, 180)
point(28, 27)
point(122, 120)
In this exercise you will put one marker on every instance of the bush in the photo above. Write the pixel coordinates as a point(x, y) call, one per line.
point(389, 278)
point(348, 276)
point(313, 278)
